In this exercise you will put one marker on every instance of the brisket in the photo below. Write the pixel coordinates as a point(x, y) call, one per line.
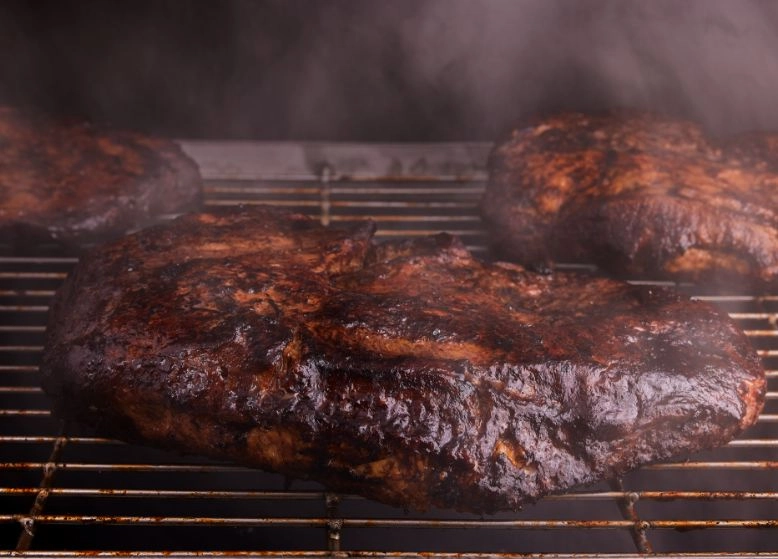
point(406, 372)
point(640, 195)
point(73, 183)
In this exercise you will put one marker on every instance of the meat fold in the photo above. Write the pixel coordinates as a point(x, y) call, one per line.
point(641, 195)
point(406, 372)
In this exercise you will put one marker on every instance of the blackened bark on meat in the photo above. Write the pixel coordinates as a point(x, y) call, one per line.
point(73, 183)
point(406, 372)
point(641, 195)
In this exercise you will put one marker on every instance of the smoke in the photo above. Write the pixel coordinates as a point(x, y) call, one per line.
point(399, 70)
point(716, 61)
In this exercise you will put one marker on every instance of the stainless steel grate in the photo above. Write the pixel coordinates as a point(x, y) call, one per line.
point(64, 492)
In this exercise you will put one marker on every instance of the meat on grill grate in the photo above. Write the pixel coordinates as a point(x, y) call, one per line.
point(640, 195)
point(74, 183)
point(407, 372)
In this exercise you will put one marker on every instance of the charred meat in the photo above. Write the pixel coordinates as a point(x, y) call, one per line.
point(406, 372)
point(73, 183)
point(640, 195)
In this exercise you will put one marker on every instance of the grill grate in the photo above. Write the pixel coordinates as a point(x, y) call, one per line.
point(64, 492)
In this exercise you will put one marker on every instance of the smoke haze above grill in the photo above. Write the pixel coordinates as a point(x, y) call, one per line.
point(401, 70)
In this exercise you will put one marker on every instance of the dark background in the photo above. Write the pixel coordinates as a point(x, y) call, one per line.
point(391, 70)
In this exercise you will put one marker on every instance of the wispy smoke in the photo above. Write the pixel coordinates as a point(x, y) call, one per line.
point(716, 61)
point(402, 69)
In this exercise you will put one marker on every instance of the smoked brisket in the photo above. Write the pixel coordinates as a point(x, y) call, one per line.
point(406, 372)
point(640, 195)
point(73, 183)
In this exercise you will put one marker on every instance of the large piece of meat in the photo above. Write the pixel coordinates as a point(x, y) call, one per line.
point(409, 373)
point(641, 195)
point(73, 183)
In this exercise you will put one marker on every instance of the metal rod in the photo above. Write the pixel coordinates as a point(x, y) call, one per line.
point(345, 188)
point(38, 259)
point(28, 525)
point(50, 439)
point(26, 292)
point(33, 275)
point(753, 443)
point(735, 298)
point(742, 465)
point(344, 204)
point(334, 523)
point(126, 467)
point(410, 218)
point(414, 191)
point(388, 522)
point(375, 555)
point(18, 368)
point(315, 495)
point(418, 232)
point(171, 494)
point(248, 202)
point(30, 329)
point(254, 188)
point(627, 505)
point(325, 174)
point(752, 315)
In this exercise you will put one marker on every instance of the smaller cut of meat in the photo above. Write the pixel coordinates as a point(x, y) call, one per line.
point(74, 183)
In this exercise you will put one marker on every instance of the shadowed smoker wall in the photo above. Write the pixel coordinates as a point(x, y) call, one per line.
point(401, 70)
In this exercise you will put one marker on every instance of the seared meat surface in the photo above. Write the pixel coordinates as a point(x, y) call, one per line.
point(640, 195)
point(73, 183)
point(406, 372)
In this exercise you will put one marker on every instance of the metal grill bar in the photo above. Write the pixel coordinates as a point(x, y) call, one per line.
point(33, 275)
point(734, 315)
point(38, 259)
point(390, 522)
point(375, 554)
point(424, 194)
point(26, 293)
point(28, 524)
point(741, 443)
point(18, 368)
point(29, 329)
point(20, 390)
point(764, 418)
point(179, 468)
point(50, 439)
point(317, 495)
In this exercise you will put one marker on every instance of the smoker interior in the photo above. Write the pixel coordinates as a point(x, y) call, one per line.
point(65, 491)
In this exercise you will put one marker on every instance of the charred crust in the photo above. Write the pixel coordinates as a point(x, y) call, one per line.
point(375, 369)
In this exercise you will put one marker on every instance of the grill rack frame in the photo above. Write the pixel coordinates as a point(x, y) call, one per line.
point(410, 190)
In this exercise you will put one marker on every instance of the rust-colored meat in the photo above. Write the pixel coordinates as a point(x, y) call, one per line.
point(73, 183)
point(641, 195)
point(409, 373)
